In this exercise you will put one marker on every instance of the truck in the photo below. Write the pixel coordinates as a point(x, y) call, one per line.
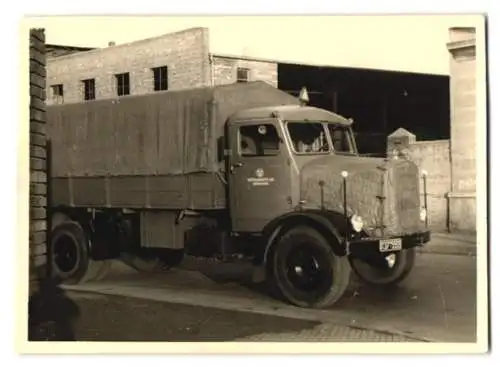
point(239, 172)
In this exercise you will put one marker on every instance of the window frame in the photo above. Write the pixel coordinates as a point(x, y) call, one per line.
point(268, 125)
point(350, 140)
point(325, 131)
point(247, 75)
point(163, 80)
point(86, 93)
point(122, 84)
point(56, 96)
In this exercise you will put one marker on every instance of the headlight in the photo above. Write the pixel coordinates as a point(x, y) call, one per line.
point(357, 223)
point(423, 214)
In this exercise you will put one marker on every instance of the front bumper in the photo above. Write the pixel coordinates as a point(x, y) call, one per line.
point(369, 246)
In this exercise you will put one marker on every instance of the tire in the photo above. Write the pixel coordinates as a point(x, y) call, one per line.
point(385, 276)
point(322, 289)
point(70, 255)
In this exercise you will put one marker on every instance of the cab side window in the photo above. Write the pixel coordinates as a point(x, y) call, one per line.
point(259, 140)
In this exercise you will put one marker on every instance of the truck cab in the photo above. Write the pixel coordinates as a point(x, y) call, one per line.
point(269, 148)
point(296, 178)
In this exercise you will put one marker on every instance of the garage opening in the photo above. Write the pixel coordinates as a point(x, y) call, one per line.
point(379, 102)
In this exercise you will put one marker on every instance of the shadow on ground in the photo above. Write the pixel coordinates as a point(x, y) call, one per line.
point(241, 274)
point(118, 318)
point(51, 313)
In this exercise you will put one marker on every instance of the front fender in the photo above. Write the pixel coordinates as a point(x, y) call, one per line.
point(330, 224)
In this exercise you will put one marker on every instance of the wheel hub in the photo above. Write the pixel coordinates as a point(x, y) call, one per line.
point(304, 269)
point(65, 254)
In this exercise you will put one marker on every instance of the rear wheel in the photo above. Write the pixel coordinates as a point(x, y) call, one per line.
point(71, 262)
point(307, 271)
point(381, 273)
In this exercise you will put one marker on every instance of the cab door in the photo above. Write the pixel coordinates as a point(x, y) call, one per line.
point(259, 176)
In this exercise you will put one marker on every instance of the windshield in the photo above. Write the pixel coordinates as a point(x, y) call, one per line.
point(308, 137)
point(312, 138)
point(341, 139)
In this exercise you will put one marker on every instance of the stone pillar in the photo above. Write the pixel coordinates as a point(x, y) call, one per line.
point(38, 156)
point(399, 143)
point(462, 198)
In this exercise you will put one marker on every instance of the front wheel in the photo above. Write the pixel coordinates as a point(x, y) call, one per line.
point(307, 271)
point(381, 273)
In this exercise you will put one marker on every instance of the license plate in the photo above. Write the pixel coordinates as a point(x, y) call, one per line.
point(392, 244)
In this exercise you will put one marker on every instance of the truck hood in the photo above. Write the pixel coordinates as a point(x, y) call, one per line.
point(338, 163)
point(384, 192)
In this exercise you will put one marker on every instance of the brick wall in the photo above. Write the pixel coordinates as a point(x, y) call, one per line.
point(463, 128)
point(224, 70)
point(185, 53)
point(434, 158)
point(38, 153)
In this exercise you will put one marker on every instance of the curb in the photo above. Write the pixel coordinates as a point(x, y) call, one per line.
point(456, 237)
point(445, 244)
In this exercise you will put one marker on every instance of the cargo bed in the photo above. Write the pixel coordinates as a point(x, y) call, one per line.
point(159, 150)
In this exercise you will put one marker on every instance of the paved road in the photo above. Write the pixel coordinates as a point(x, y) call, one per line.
point(437, 302)
point(102, 317)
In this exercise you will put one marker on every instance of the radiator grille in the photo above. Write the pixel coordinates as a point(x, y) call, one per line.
point(404, 199)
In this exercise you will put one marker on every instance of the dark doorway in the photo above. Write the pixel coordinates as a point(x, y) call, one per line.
point(379, 102)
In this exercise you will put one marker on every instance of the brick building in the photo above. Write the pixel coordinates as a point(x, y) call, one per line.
point(168, 62)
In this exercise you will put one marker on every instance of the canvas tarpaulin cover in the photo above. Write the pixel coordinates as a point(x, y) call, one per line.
point(164, 133)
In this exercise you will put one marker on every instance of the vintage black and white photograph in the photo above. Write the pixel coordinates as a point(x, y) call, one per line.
point(257, 179)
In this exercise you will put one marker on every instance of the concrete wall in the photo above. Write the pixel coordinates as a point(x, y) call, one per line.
point(225, 68)
point(185, 53)
point(434, 158)
point(451, 165)
point(38, 155)
point(463, 128)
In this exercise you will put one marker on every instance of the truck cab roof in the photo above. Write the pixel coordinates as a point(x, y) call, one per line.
point(288, 113)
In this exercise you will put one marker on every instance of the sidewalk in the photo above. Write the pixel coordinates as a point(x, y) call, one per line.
point(329, 332)
point(456, 243)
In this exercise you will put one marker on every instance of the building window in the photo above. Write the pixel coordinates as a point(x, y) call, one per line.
point(242, 75)
point(88, 89)
point(160, 76)
point(123, 84)
point(57, 93)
